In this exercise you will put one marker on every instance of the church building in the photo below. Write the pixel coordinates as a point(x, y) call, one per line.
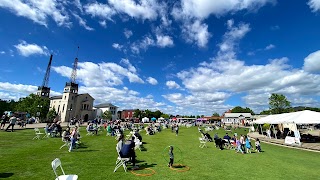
point(73, 105)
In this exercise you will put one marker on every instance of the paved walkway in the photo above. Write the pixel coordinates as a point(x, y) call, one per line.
point(315, 147)
point(32, 126)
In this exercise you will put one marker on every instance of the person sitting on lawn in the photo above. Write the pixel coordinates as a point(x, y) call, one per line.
point(137, 134)
point(66, 134)
point(207, 135)
point(91, 129)
point(215, 137)
point(127, 151)
point(227, 137)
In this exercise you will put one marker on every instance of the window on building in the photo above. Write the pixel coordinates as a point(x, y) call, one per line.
point(63, 108)
point(58, 108)
point(65, 97)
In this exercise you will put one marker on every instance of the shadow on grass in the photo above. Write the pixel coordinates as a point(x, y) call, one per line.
point(5, 175)
point(179, 166)
point(146, 165)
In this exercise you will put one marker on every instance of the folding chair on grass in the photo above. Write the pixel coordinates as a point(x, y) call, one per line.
point(55, 164)
point(203, 142)
point(121, 162)
point(38, 133)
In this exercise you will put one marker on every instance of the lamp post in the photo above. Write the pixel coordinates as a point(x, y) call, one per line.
point(69, 110)
point(38, 112)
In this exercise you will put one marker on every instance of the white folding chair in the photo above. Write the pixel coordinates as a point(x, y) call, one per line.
point(203, 142)
point(47, 134)
point(38, 133)
point(55, 164)
point(121, 162)
point(66, 143)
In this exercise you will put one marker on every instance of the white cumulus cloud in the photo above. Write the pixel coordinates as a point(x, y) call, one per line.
point(82, 22)
point(38, 11)
point(26, 49)
point(196, 32)
point(270, 46)
point(152, 81)
point(117, 46)
point(314, 5)
point(164, 41)
point(172, 85)
point(312, 62)
point(127, 33)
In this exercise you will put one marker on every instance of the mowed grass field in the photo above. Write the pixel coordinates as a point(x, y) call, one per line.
point(24, 158)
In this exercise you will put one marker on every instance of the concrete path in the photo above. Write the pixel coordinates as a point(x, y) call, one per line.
point(32, 126)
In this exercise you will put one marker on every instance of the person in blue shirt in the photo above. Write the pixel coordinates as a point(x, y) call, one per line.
point(127, 151)
point(227, 137)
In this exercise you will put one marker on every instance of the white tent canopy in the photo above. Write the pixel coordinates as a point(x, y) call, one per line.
point(300, 117)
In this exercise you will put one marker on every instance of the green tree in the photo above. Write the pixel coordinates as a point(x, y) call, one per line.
point(157, 114)
point(279, 104)
point(215, 114)
point(137, 114)
point(166, 116)
point(148, 113)
point(7, 106)
point(239, 109)
point(35, 105)
point(107, 115)
point(52, 114)
point(265, 112)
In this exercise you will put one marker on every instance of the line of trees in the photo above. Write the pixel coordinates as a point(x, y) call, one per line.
point(32, 104)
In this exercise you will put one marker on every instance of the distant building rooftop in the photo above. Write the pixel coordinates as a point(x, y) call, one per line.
point(104, 105)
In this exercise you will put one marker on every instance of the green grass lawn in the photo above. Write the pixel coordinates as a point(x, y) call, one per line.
point(24, 158)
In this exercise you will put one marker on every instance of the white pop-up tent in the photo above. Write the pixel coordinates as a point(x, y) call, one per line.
point(294, 118)
point(145, 120)
point(300, 117)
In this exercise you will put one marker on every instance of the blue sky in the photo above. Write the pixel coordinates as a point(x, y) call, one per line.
point(181, 57)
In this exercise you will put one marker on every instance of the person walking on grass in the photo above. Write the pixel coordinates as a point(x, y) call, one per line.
point(238, 144)
point(3, 120)
point(177, 130)
point(12, 121)
point(73, 138)
point(248, 145)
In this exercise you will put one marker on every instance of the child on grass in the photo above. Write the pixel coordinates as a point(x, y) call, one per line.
point(257, 143)
point(238, 146)
point(171, 156)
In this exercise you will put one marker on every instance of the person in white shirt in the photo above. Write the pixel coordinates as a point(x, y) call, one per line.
point(12, 121)
point(73, 138)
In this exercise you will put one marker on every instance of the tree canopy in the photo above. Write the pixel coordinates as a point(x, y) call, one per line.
point(107, 115)
point(279, 104)
point(215, 114)
point(239, 109)
point(35, 105)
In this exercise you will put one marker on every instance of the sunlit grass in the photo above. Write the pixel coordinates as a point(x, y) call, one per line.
point(24, 158)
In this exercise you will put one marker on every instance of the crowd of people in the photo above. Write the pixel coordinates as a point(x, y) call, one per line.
point(241, 144)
